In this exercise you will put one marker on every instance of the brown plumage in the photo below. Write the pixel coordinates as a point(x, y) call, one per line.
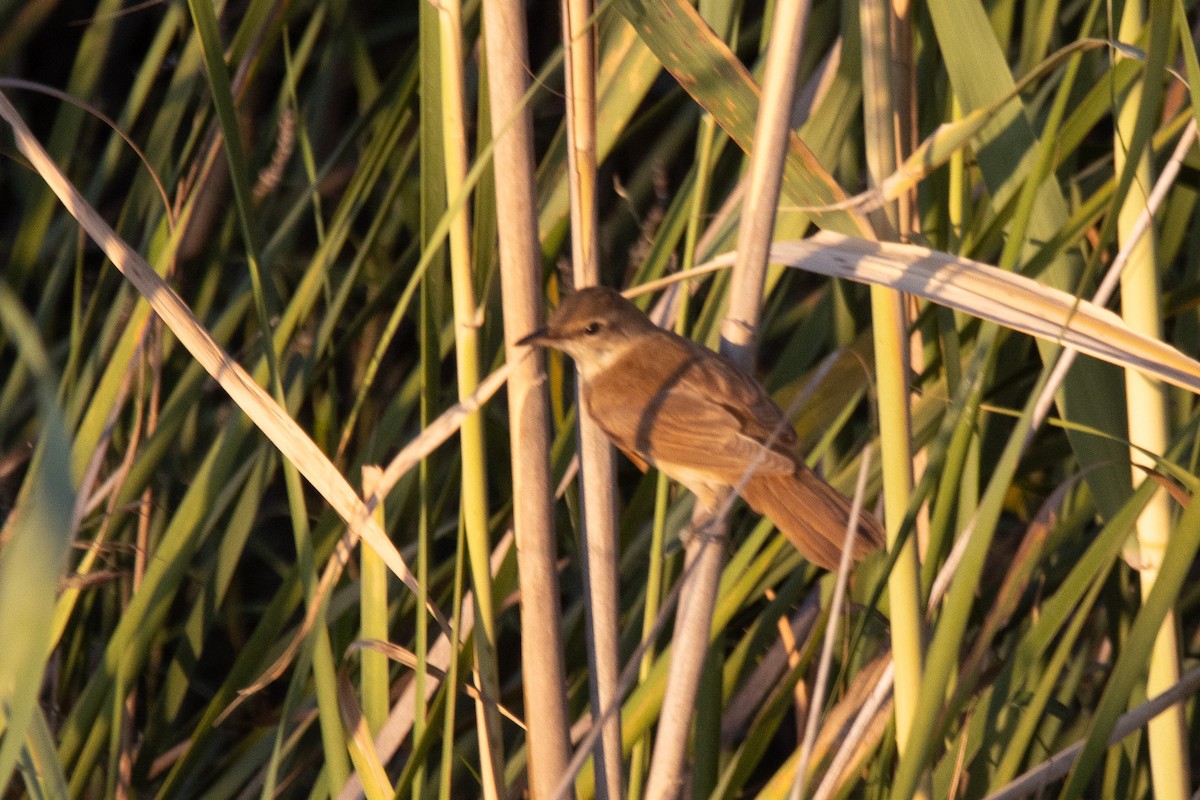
point(681, 407)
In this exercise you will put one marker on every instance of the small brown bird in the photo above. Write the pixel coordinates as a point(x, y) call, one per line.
point(670, 402)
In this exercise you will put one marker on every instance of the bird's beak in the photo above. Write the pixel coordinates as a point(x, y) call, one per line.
point(539, 337)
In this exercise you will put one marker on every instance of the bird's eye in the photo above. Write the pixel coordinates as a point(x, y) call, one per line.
point(592, 328)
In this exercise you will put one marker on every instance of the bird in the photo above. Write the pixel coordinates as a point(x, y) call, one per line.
point(669, 402)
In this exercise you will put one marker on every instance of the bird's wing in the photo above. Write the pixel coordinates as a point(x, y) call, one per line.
point(704, 415)
point(758, 416)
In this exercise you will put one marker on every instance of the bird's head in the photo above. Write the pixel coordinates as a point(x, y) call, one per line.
point(594, 326)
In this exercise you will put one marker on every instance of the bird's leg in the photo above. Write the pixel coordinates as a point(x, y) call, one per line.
point(706, 529)
point(709, 523)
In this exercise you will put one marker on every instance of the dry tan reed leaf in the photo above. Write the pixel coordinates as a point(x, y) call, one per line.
point(1178, 493)
point(260, 407)
point(984, 291)
point(402, 655)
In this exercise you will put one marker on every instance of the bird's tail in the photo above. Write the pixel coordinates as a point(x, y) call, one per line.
point(813, 515)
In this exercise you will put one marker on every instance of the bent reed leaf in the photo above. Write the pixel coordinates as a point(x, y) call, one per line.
point(266, 414)
point(981, 290)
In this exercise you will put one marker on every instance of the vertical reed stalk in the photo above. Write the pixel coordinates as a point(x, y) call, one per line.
point(373, 596)
point(706, 548)
point(466, 337)
point(1149, 435)
point(890, 332)
point(543, 673)
point(597, 457)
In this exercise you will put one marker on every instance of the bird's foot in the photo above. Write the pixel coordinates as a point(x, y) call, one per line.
point(711, 531)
